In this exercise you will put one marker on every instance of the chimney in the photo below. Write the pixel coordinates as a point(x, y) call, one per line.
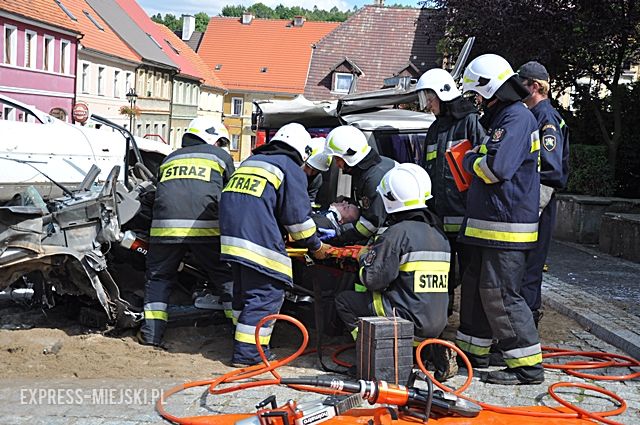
point(247, 17)
point(298, 21)
point(188, 26)
point(378, 2)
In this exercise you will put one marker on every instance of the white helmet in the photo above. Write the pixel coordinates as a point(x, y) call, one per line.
point(486, 74)
point(319, 159)
point(441, 82)
point(405, 187)
point(348, 143)
point(295, 135)
point(208, 130)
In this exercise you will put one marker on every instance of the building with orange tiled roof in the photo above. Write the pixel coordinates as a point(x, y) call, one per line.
point(38, 63)
point(211, 94)
point(106, 64)
point(258, 59)
point(375, 44)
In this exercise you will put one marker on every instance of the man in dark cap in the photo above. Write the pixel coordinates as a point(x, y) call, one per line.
point(554, 155)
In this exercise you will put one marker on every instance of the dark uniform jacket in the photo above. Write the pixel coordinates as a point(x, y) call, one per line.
point(265, 199)
point(554, 152)
point(459, 120)
point(365, 178)
point(189, 186)
point(407, 269)
point(504, 195)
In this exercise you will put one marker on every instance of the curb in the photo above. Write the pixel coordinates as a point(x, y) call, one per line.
point(604, 320)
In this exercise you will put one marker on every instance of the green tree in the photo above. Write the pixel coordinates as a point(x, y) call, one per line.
point(202, 20)
point(584, 44)
point(232, 11)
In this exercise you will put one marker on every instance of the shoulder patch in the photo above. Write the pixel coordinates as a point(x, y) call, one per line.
point(498, 134)
point(369, 258)
point(365, 203)
point(549, 127)
point(549, 142)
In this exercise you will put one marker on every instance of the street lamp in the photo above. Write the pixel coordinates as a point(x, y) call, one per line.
point(131, 97)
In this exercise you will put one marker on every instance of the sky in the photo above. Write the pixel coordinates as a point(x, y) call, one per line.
point(213, 7)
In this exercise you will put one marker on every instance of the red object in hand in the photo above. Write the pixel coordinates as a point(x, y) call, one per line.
point(455, 155)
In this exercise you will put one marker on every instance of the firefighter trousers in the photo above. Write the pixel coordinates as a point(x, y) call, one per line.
point(255, 296)
point(351, 306)
point(163, 261)
point(457, 265)
point(532, 283)
point(492, 307)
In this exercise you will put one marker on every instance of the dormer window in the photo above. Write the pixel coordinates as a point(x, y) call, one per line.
point(342, 82)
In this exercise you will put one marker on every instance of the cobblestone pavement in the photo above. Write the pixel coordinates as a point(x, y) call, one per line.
point(122, 402)
point(576, 285)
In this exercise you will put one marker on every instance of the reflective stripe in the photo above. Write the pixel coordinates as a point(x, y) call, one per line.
point(302, 231)
point(156, 306)
point(235, 315)
point(517, 353)
point(354, 333)
point(359, 287)
point(205, 165)
point(365, 227)
point(452, 224)
point(228, 314)
point(483, 149)
point(532, 360)
point(184, 228)
point(499, 231)
point(255, 253)
point(273, 174)
point(431, 266)
point(473, 345)
point(378, 305)
point(156, 315)
point(562, 124)
point(535, 141)
point(432, 152)
point(483, 171)
point(208, 156)
point(198, 224)
point(247, 334)
point(425, 256)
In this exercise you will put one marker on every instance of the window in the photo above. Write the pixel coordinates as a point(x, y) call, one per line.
point(65, 10)
point(180, 97)
point(48, 53)
point(342, 82)
point(236, 106)
point(156, 129)
point(138, 129)
point(187, 95)
point(172, 47)
point(101, 80)
point(164, 131)
point(149, 83)
point(147, 129)
point(116, 83)
point(85, 78)
point(8, 113)
point(92, 19)
point(65, 56)
point(127, 82)
point(166, 91)
point(10, 44)
point(154, 40)
point(235, 141)
point(30, 48)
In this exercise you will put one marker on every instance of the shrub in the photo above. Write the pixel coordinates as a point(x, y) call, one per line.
point(589, 171)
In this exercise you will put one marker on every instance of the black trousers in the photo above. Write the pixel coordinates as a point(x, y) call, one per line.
point(163, 261)
point(532, 283)
point(352, 305)
point(492, 307)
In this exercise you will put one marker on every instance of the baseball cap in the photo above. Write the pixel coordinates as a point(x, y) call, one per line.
point(534, 71)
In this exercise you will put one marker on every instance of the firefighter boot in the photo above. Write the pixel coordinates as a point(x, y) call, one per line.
point(524, 375)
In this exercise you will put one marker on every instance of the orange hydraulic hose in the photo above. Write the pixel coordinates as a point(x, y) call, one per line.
point(599, 416)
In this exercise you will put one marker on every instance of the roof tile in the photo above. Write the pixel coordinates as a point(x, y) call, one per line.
point(46, 11)
point(244, 50)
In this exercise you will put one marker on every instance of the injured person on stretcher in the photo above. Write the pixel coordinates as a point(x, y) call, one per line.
point(328, 222)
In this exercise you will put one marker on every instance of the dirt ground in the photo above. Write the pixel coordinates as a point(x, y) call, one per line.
point(46, 344)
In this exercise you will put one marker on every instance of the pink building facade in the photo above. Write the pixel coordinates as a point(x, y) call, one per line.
point(37, 66)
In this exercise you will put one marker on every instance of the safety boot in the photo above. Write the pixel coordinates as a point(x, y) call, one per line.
point(515, 376)
point(270, 357)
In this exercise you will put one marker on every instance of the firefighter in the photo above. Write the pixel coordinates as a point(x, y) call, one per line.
point(457, 119)
point(406, 268)
point(354, 157)
point(265, 199)
point(554, 156)
point(185, 219)
point(500, 227)
point(317, 163)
